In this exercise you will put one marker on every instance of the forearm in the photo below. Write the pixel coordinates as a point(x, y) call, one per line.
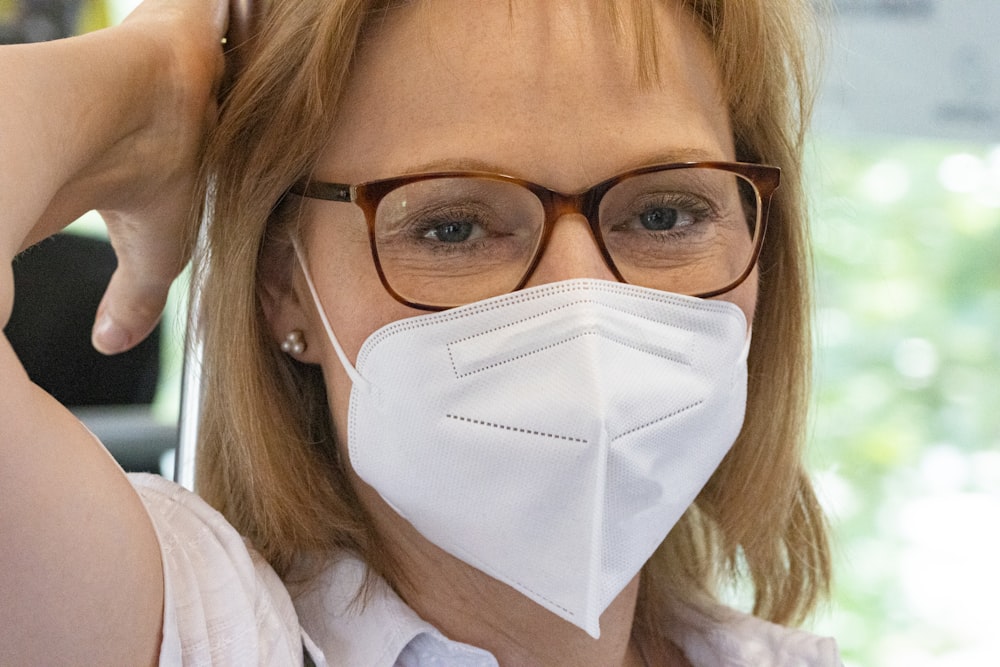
point(113, 121)
point(68, 105)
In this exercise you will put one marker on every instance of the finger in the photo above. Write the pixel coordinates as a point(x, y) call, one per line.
point(129, 311)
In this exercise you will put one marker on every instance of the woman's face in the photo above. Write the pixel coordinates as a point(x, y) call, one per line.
point(539, 90)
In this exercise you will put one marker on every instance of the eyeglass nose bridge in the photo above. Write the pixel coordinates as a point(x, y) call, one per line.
point(556, 206)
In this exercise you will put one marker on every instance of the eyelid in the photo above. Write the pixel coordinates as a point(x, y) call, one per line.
point(684, 201)
point(425, 219)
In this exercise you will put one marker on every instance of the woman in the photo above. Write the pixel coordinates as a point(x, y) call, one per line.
point(463, 417)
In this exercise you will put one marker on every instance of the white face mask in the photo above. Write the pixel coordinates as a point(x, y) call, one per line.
point(551, 437)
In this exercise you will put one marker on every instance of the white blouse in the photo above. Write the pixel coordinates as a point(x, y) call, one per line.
point(224, 605)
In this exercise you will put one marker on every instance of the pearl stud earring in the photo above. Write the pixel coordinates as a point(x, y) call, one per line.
point(293, 343)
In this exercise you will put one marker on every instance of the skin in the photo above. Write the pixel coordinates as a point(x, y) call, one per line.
point(503, 92)
point(110, 121)
point(543, 91)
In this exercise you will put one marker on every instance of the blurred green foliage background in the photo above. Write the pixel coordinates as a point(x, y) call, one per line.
point(906, 433)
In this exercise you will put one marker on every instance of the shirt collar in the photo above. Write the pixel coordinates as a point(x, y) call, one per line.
point(373, 630)
point(717, 635)
point(377, 630)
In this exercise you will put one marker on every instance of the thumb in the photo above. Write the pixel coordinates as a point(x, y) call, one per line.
point(128, 312)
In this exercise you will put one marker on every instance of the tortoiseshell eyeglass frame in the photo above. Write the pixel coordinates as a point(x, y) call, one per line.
point(367, 196)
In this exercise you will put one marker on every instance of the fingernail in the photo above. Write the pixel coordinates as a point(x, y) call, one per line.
point(108, 336)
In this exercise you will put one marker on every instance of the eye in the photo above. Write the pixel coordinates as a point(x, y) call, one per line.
point(660, 212)
point(661, 218)
point(454, 231)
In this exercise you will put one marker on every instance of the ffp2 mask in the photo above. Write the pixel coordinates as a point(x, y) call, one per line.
point(551, 437)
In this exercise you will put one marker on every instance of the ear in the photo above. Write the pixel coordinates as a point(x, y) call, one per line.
point(285, 300)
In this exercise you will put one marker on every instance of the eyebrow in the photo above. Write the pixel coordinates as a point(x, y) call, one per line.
point(659, 157)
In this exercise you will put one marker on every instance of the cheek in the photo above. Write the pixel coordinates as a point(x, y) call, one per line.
point(342, 268)
point(353, 299)
point(355, 309)
point(745, 296)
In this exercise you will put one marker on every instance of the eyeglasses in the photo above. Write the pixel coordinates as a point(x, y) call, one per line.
point(446, 239)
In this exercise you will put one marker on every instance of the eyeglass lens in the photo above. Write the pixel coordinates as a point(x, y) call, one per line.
point(454, 240)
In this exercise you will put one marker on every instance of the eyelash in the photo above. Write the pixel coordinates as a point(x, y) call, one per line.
point(696, 206)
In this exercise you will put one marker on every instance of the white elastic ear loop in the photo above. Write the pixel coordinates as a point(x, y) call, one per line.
point(348, 367)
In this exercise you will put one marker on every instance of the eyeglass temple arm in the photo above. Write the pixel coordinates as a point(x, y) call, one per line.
point(326, 191)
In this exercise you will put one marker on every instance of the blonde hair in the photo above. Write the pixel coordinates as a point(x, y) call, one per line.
point(267, 456)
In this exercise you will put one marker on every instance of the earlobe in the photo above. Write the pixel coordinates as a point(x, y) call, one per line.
point(288, 321)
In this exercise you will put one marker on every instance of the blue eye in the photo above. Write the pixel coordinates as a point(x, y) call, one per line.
point(668, 216)
point(659, 219)
point(451, 232)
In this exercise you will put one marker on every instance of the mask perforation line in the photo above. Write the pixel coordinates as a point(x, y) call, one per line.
point(668, 357)
point(571, 304)
point(673, 414)
point(516, 429)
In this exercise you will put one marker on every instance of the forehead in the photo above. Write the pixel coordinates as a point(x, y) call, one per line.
point(547, 90)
